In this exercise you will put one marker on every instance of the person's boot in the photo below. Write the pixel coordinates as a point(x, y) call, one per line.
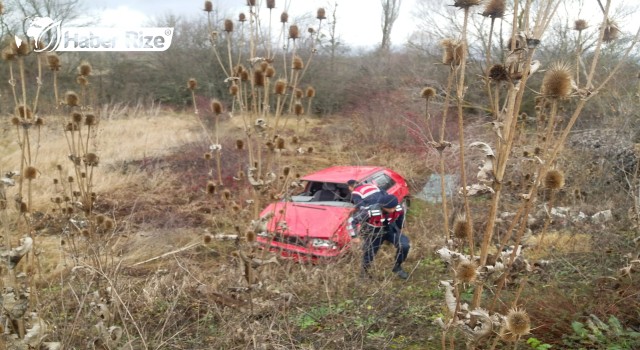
point(400, 272)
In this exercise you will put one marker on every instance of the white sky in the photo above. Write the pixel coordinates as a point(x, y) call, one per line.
point(358, 21)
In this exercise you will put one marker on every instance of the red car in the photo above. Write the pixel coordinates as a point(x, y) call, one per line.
point(315, 224)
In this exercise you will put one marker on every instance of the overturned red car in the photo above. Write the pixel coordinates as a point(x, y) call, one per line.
point(315, 223)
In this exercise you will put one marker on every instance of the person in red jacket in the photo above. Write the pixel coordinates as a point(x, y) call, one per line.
point(380, 219)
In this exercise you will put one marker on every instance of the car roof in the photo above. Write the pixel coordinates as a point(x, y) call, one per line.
point(343, 173)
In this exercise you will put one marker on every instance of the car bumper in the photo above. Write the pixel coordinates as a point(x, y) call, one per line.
point(298, 253)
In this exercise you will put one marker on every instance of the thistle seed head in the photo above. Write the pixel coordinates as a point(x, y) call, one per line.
point(310, 92)
point(271, 4)
point(192, 84)
point(298, 109)
point(24, 112)
point(23, 50)
point(208, 6)
point(39, 121)
point(506, 335)
point(466, 271)
point(286, 170)
point(518, 322)
point(30, 173)
point(556, 83)
point(580, 25)
point(297, 63)
point(53, 61)
point(258, 78)
point(82, 80)
point(91, 159)
point(233, 90)
point(270, 72)
point(216, 106)
point(207, 155)
point(251, 236)
point(498, 73)
point(284, 17)
point(90, 119)
point(242, 17)
point(251, 2)
point(280, 87)
point(207, 239)
point(239, 144)
point(494, 9)
point(76, 118)
point(109, 224)
point(244, 75)
point(465, 4)
point(226, 194)
point(294, 32)
point(453, 52)
point(280, 144)
point(309, 150)
point(15, 121)
point(211, 187)
point(428, 92)
point(228, 25)
point(84, 69)
point(462, 228)
point(71, 99)
point(299, 93)
point(8, 53)
point(611, 31)
point(554, 180)
point(320, 14)
point(100, 219)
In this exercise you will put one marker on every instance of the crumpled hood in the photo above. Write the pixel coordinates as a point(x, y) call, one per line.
point(306, 220)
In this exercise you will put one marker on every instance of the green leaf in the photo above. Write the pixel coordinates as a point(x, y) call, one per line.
point(579, 329)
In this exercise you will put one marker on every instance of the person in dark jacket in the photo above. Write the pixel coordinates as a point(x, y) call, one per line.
point(378, 222)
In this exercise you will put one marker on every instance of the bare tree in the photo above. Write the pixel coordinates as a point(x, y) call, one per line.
point(390, 12)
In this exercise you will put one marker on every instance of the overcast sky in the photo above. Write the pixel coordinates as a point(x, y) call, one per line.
point(358, 21)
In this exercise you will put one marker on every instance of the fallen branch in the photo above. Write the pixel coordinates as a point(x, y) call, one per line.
point(167, 254)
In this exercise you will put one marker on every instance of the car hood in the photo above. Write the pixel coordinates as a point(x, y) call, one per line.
point(306, 220)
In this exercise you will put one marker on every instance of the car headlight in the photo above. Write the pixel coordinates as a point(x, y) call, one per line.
point(322, 243)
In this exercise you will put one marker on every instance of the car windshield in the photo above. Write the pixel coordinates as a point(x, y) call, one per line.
point(324, 193)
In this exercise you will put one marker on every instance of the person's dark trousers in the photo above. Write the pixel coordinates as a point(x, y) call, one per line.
point(373, 243)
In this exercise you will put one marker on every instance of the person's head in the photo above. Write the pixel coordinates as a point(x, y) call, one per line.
point(389, 203)
point(352, 184)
